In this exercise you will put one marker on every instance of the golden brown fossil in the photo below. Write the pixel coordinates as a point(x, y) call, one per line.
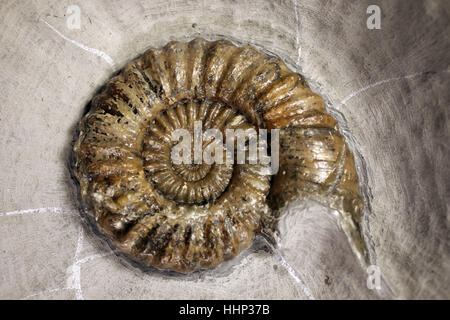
point(186, 218)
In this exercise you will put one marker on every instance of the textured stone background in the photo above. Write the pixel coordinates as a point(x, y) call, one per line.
point(390, 85)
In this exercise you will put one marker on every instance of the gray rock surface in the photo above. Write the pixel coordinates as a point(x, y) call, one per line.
point(391, 87)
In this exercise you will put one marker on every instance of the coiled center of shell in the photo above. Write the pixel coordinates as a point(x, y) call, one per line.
point(193, 181)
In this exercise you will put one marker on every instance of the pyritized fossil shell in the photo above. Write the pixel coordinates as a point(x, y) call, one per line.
point(189, 217)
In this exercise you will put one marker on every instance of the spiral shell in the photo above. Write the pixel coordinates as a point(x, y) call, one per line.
point(184, 217)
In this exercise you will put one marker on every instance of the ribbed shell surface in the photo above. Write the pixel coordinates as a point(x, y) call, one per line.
point(186, 218)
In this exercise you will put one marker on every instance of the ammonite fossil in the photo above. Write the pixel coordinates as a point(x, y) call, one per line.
point(186, 217)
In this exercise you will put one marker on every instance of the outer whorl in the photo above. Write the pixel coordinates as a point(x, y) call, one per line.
point(184, 217)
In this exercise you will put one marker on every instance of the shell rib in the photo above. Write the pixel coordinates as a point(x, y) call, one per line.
point(186, 218)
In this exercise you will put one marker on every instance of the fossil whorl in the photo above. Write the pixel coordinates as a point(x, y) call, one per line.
point(191, 217)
